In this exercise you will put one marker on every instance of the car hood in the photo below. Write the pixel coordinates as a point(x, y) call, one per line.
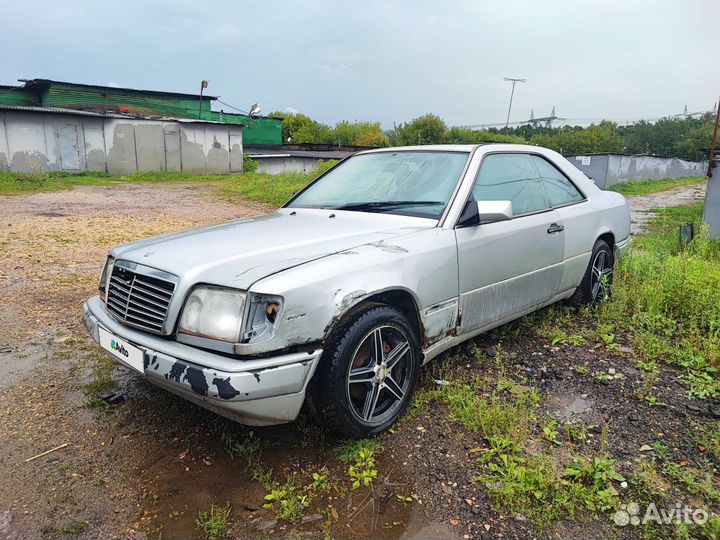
point(238, 253)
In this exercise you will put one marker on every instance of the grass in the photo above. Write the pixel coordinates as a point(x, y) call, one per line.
point(273, 190)
point(215, 523)
point(646, 187)
point(665, 297)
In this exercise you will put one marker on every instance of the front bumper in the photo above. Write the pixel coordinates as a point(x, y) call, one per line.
point(256, 392)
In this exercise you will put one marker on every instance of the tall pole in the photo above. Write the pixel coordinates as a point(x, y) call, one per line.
point(713, 144)
point(711, 210)
point(512, 92)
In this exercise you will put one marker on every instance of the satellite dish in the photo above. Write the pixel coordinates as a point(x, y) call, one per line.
point(255, 109)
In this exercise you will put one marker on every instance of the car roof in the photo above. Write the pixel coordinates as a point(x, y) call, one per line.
point(425, 148)
point(460, 148)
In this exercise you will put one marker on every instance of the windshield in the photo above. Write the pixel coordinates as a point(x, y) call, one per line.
point(410, 183)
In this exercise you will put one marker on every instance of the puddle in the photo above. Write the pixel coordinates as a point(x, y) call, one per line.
point(182, 483)
point(571, 407)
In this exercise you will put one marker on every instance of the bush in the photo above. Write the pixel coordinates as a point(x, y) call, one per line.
point(249, 164)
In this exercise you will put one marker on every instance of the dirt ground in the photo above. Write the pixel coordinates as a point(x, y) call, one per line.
point(130, 472)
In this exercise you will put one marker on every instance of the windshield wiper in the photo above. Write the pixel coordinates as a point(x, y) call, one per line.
point(379, 206)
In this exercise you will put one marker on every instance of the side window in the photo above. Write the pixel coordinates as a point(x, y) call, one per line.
point(510, 177)
point(558, 188)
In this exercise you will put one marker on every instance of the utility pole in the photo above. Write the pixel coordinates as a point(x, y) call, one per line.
point(512, 92)
point(711, 211)
point(203, 86)
point(713, 144)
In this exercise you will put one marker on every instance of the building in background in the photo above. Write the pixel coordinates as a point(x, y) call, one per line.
point(39, 139)
point(57, 126)
point(146, 104)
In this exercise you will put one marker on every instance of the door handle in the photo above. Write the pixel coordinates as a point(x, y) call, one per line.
point(555, 228)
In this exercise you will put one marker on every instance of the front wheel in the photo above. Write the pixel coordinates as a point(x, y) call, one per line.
point(368, 372)
point(597, 281)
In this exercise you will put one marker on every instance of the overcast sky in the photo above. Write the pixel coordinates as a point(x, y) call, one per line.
point(383, 60)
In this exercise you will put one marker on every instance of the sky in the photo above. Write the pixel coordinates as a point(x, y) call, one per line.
point(387, 61)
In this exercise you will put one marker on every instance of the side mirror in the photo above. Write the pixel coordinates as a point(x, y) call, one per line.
point(476, 212)
point(491, 211)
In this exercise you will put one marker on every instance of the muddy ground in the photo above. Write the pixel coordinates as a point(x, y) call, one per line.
point(146, 464)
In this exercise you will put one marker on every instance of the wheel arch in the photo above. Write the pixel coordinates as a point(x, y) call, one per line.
point(609, 237)
point(399, 298)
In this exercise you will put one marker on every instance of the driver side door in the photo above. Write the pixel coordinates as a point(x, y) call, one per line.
point(508, 268)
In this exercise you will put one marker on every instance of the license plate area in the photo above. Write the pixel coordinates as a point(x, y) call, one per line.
point(122, 350)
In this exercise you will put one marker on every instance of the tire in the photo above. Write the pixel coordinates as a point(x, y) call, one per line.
point(378, 393)
point(596, 285)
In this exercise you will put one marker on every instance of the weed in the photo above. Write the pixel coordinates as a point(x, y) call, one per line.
point(708, 437)
point(654, 401)
point(249, 447)
point(582, 369)
point(287, 500)
point(363, 472)
point(215, 523)
point(320, 481)
point(575, 433)
point(549, 429)
point(649, 365)
point(349, 450)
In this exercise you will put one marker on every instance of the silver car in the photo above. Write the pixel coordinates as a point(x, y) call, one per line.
point(339, 297)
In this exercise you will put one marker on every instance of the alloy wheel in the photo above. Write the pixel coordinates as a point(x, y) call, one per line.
point(380, 374)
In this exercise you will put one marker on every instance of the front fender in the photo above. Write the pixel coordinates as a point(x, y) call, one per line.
point(317, 294)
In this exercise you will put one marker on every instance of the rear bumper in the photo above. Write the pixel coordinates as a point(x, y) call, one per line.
point(255, 392)
point(622, 247)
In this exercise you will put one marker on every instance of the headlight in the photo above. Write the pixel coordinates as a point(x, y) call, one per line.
point(213, 313)
point(105, 274)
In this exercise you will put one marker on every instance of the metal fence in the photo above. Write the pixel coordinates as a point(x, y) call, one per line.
point(610, 169)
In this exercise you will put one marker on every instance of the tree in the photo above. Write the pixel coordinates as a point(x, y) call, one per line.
point(427, 129)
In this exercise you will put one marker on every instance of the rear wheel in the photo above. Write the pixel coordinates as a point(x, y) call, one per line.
point(597, 281)
point(368, 372)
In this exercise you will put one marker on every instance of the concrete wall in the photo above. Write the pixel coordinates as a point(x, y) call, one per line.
point(611, 169)
point(281, 164)
point(36, 142)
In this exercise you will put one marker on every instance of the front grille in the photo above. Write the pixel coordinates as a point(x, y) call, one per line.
point(139, 300)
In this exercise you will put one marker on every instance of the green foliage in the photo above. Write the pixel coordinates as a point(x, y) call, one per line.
point(349, 450)
point(427, 129)
point(287, 500)
point(363, 472)
point(504, 414)
point(530, 485)
point(215, 523)
point(665, 296)
point(274, 190)
point(598, 471)
point(247, 446)
point(301, 129)
point(249, 164)
point(461, 135)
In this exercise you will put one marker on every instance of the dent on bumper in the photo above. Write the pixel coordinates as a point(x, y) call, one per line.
point(258, 392)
